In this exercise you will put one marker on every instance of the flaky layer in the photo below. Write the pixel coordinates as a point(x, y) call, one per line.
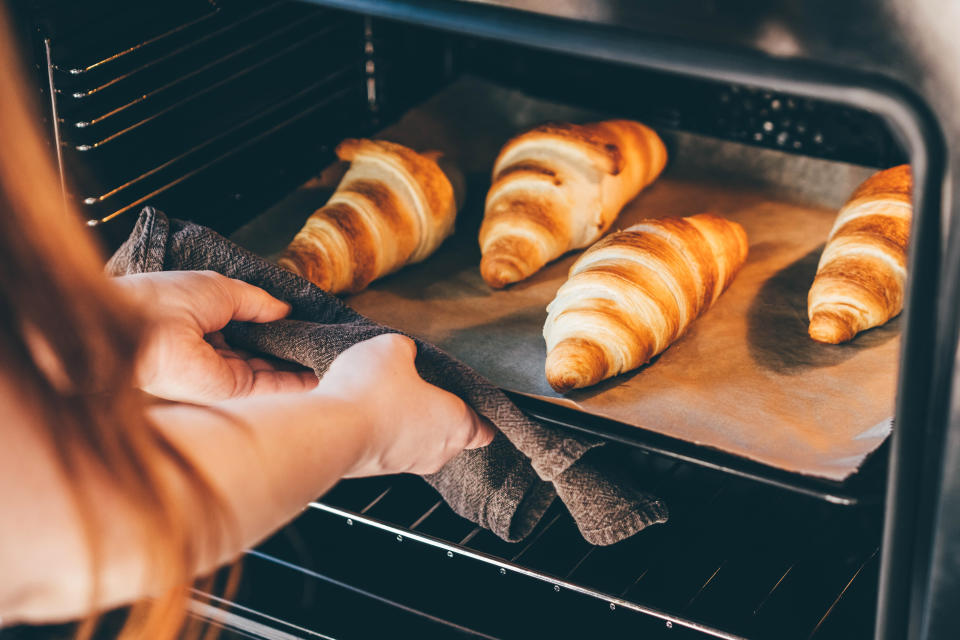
point(394, 206)
point(635, 292)
point(558, 187)
point(862, 272)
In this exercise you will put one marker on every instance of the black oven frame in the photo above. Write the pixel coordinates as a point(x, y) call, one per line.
point(917, 488)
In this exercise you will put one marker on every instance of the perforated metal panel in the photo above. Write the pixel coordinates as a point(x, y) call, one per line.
point(742, 114)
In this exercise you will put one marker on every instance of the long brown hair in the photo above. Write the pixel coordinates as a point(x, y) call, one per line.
point(69, 342)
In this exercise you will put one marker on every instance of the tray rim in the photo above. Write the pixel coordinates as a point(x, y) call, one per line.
point(862, 488)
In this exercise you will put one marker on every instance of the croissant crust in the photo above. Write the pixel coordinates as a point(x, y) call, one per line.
point(862, 272)
point(635, 292)
point(394, 206)
point(558, 187)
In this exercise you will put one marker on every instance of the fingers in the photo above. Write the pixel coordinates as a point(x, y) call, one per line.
point(260, 375)
point(273, 381)
point(475, 431)
point(252, 304)
point(480, 433)
point(280, 376)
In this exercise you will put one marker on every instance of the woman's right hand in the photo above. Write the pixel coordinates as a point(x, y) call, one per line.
point(412, 426)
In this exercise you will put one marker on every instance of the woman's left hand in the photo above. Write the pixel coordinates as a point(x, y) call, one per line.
point(186, 358)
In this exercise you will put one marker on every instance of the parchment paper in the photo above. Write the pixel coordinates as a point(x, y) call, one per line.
point(745, 379)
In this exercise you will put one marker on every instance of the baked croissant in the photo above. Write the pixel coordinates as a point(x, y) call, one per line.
point(863, 269)
point(394, 206)
point(629, 296)
point(559, 187)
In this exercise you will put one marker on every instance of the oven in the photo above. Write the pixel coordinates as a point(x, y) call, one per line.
point(227, 112)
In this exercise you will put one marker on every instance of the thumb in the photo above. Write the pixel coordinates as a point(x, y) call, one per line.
point(483, 433)
point(253, 304)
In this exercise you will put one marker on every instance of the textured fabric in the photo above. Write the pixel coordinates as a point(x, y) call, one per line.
point(505, 487)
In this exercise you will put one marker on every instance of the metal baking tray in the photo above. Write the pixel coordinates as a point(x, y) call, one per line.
point(745, 391)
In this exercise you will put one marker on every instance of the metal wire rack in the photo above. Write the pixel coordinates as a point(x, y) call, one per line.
point(732, 562)
point(207, 101)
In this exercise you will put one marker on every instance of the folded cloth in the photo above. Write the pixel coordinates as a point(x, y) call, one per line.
point(505, 487)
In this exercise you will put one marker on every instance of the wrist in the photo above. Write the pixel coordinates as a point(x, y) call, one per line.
point(148, 365)
point(351, 420)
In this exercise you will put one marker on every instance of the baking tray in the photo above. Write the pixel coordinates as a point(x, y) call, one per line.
point(745, 391)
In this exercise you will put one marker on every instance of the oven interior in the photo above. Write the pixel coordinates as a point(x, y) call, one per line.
point(216, 111)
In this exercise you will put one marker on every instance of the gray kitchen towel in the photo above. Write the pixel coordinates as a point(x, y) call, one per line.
point(505, 487)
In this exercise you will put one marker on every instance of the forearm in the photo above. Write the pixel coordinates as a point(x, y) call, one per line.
point(265, 457)
point(268, 456)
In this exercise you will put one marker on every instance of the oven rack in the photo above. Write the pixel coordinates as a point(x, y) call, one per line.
point(732, 562)
point(189, 115)
point(93, 34)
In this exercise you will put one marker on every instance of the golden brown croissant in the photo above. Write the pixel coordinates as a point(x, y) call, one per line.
point(862, 271)
point(394, 206)
point(629, 296)
point(559, 187)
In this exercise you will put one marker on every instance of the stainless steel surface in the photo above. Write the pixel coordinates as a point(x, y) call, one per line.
point(911, 40)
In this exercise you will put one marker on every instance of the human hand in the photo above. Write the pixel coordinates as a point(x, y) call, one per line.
point(412, 426)
point(186, 358)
